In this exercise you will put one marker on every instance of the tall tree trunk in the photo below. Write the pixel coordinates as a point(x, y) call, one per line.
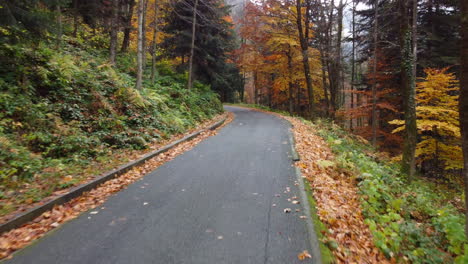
point(255, 87)
point(408, 72)
point(322, 37)
point(75, 18)
point(298, 98)
point(463, 107)
point(290, 82)
point(304, 42)
point(338, 70)
point(59, 24)
point(192, 45)
point(129, 6)
point(139, 79)
point(114, 31)
point(153, 49)
point(145, 48)
point(324, 83)
point(374, 84)
point(242, 91)
point(353, 62)
point(330, 62)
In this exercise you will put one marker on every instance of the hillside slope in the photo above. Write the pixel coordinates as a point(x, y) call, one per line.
point(63, 110)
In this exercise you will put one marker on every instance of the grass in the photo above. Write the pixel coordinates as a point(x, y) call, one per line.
point(320, 228)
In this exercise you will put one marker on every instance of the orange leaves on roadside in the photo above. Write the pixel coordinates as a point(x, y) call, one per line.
point(338, 204)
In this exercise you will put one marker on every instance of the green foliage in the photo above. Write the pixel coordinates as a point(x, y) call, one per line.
point(70, 107)
point(214, 40)
point(410, 221)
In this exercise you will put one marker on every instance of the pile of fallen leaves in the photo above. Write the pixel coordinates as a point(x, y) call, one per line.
point(337, 199)
point(20, 237)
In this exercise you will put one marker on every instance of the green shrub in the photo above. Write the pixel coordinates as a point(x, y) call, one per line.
point(69, 106)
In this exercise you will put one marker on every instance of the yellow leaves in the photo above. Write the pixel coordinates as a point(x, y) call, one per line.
point(303, 255)
point(437, 119)
point(435, 89)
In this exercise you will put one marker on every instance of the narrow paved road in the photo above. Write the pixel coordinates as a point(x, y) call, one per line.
point(217, 203)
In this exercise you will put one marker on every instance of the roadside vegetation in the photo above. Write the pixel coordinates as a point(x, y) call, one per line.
point(410, 220)
point(417, 221)
point(70, 108)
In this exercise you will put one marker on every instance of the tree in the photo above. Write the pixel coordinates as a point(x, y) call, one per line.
point(408, 77)
point(303, 31)
point(127, 16)
point(153, 48)
point(140, 50)
point(27, 16)
point(114, 31)
point(374, 66)
point(463, 103)
point(437, 122)
point(213, 43)
point(192, 45)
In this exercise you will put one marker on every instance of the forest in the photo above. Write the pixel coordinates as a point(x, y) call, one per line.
point(84, 83)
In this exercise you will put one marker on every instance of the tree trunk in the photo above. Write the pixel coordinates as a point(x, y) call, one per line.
point(255, 87)
point(242, 91)
point(290, 82)
point(338, 58)
point(463, 103)
point(408, 72)
point(304, 42)
point(139, 79)
point(374, 84)
point(298, 98)
point(353, 62)
point(330, 62)
point(75, 18)
point(130, 4)
point(192, 45)
point(114, 31)
point(60, 26)
point(324, 84)
point(153, 49)
point(145, 48)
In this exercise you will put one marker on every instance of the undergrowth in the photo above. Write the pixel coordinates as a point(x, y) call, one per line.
point(63, 109)
point(414, 221)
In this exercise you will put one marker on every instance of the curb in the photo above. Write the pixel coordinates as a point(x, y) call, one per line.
point(31, 214)
point(314, 243)
point(295, 155)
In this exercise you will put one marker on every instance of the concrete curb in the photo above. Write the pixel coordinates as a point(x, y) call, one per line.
point(314, 243)
point(31, 214)
point(295, 155)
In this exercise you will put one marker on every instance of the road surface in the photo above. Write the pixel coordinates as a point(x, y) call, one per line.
point(217, 203)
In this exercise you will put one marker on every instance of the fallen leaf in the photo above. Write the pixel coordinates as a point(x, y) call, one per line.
point(303, 255)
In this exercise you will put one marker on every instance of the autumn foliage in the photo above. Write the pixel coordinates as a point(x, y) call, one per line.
point(437, 121)
point(270, 57)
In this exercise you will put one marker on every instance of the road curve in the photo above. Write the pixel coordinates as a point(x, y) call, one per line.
point(221, 202)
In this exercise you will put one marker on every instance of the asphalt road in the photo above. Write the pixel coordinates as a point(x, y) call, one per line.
point(217, 203)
